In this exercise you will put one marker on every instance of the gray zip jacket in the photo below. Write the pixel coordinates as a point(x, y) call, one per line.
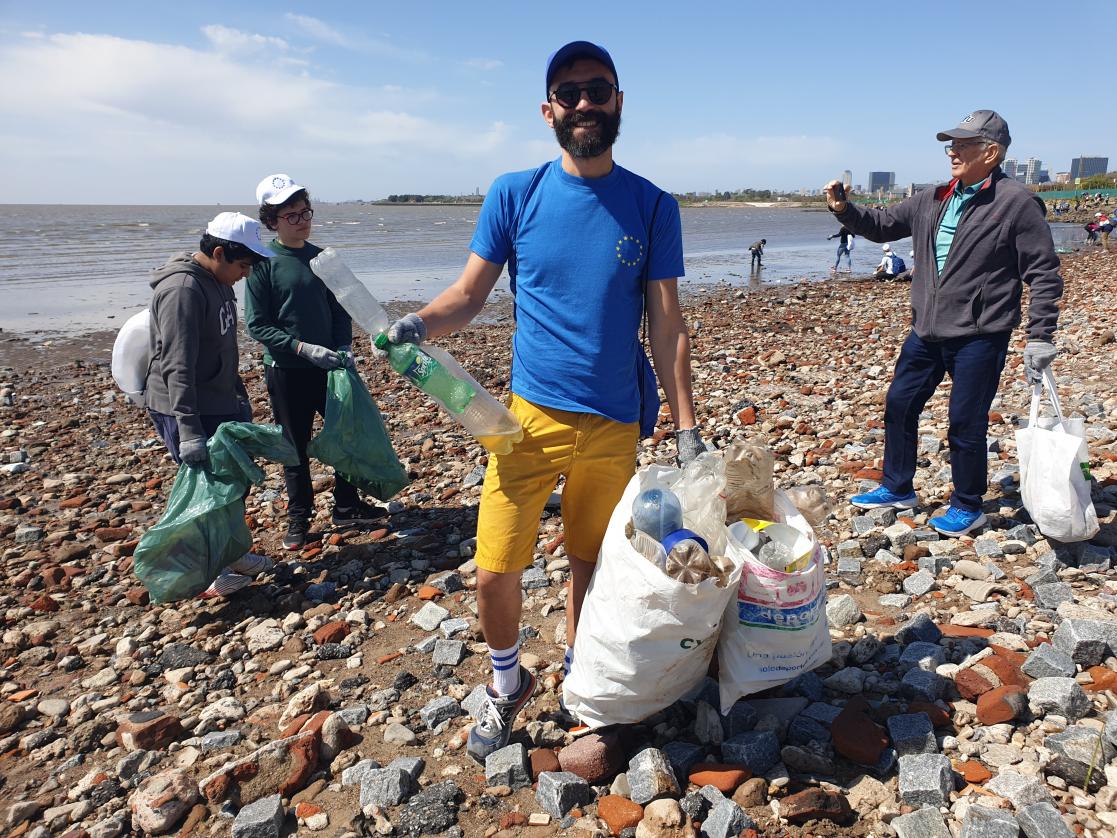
point(1002, 243)
point(194, 355)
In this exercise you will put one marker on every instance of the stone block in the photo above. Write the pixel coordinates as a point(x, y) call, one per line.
point(922, 823)
point(935, 565)
point(926, 779)
point(412, 765)
point(986, 822)
point(803, 730)
point(850, 549)
point(1085, 641)
point(922, 655)
point(726, 820)
point(439, 710)
point(534, 578)
point(148, 730)
point(384, 787)
point(1019, 789)
point(895, 600)
point(560, 791)
point(756, 750)
point(1074, 750)
point(683, 756)
point(912, 733)
point(882, 516)
point(509, 767)
point(262, 819)
point(1042, 820)
point(740, 718)
point(1048, 662)
point(842, 610)
point(448, 653)
point(922, 685)
point(455, 625)
point(430, 616)
point(848, 566)
point(1053, 594)
point(651, 776)
point(899, 535)
point(821, 712)
point(1063, 696)
point(353, 775)
point(919, 583)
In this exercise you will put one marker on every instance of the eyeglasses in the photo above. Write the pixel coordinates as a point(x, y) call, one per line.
point(954, 148)
point(597, 91)
point(296, 217)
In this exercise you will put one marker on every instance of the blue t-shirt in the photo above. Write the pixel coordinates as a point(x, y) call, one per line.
point(577, 247)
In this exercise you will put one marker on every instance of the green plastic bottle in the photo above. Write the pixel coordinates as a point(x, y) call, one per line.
point(427, 374)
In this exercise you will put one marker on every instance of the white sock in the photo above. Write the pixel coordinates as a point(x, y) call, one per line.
point(506, 669)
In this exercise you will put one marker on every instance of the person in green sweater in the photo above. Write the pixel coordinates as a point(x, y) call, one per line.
point(305, 333)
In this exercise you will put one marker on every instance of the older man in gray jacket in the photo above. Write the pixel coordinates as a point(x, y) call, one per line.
point(978, 240)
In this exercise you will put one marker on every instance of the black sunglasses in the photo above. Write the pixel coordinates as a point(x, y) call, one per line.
point(597, 91)
point(295, 217)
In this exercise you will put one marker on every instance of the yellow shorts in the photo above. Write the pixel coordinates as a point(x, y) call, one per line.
point(598, 458)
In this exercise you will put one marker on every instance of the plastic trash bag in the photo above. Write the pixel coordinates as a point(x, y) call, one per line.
point(645, 639)
point(775, 627)
point(748, 481)
point(131, 356)
point(202, 530)
point(353, 439)
point(1053, 484)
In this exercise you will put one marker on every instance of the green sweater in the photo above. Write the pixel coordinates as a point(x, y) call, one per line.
point(286, 303)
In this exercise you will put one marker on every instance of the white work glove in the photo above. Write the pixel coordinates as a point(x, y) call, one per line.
point(408, 329)
point(1038, 355)
point(193, 452)
point(320, 356)
point(690, 445)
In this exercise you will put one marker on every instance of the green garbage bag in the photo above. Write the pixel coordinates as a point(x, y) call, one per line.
point(202, 530)
point(353, 439)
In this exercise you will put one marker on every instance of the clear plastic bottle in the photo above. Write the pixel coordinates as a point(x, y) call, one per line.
point(427, 374)
point(657, 512)
point(351, 293)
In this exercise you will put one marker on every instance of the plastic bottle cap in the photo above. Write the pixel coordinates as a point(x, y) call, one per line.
point(671, 539)
point(381, 341)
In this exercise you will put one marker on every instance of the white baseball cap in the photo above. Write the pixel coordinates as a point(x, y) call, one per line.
point(886, 248)
point(276, 189)
point(238, 227)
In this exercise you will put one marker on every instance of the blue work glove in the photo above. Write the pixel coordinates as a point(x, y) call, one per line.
point(690, 445)
point(193, 452)
point(320, 356)
point(408, 329)
point(1038, 355)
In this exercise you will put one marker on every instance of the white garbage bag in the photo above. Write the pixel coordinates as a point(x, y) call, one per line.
point(131, 356)
point(1053, 481)
point(775, 628)
point(645, 639)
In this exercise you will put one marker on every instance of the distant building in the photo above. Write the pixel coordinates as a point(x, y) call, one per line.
point(917, 187)
point(1032, 169)
point(1009, 167)
point(1062, 177)
point(881, 181)
point(1088, 167)
point(847, 178)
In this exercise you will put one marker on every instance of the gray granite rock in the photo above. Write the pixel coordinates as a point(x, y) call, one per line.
point(849, 681)
point(803, 730)
point(650, 776)
point(912, 733)
point(683, 756)
point(1058, 695)
point(725, 820)
point(384, 787)
point(919, 583)
point(757, 750)
point(1048, 662)
point(925, 779)
point(741, 717)
point(430, 616)
point(842, 610)
point(928, 656)
point(1042, 820)
point(1111, 728)
point(1019, 789)
point(1053, 594)
point(448, 653)
point(1085, 641)
point(865, 649)
point(353, 775)
point(560, 791)
point(821, 712)
point(923, 685)
point(922, 823)
point(986, 822)
point(510, 767)
point(895, 600)
point(455, 625)
point(920, 627)
point(439, 710)
point(412, 765)
point(1074, 750)
point(261, 819)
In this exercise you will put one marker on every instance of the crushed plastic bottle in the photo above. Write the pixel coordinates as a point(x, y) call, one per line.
point(657, 512)
point(482, 415)
point(749, 492)
point(812, 502)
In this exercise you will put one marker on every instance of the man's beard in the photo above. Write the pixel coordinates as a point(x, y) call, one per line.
point(590, 143)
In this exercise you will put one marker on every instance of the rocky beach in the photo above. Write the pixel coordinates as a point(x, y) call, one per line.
point(972, 688)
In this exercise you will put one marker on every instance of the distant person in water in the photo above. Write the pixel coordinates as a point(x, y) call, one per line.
point(845, 246)
point(757, 250)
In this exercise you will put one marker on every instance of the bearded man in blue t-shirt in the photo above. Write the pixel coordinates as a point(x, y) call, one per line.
point(577, 235)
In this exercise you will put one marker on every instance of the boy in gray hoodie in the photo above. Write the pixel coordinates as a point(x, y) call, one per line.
point(192, 381)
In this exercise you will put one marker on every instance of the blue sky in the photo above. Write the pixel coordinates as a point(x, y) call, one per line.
point(127, 102)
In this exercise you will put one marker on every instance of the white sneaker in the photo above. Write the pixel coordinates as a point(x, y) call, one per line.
point(226, 585)
point(251, 564)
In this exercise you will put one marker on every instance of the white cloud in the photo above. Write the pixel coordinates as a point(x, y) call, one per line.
point(485, 64)
point(229, 40)
point(319, 30)
point(98, 118)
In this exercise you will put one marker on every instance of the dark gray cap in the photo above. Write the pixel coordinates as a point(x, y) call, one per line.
point(985, 125)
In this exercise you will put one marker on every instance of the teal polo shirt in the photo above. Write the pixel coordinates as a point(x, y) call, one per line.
point(949, 224)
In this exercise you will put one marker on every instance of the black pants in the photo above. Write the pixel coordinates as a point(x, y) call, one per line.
point(756, 258)
point(296, 396)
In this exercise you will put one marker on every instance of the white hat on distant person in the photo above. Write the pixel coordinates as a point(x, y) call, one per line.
point(238, 227)
point(276, 189)
point(1098, 214)
point(887, 248)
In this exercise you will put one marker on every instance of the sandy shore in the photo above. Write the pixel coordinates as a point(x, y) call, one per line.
point(336, 629)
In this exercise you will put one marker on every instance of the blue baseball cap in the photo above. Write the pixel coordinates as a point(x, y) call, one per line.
point(578, 49)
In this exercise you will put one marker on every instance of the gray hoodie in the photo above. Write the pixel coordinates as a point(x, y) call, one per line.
point(194, 356)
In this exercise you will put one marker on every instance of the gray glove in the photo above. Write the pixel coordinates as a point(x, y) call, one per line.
point(193, 452)
point(408, 329)
point(690, 445)
point(320, 356)
point(1038, 355)
point(346, 355)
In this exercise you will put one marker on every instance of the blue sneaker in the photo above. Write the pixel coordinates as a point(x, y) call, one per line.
point(955, 522)
point(880, 496)
point(498, 713)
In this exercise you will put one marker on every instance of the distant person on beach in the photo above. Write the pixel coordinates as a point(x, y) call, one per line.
point(305, 333)
point(1091, 228)
point(978, 240)
point(588, 244)
point(891, 265)
point(192, 381)
point(845, 247)
point(757, 250)
point(1105, 227)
